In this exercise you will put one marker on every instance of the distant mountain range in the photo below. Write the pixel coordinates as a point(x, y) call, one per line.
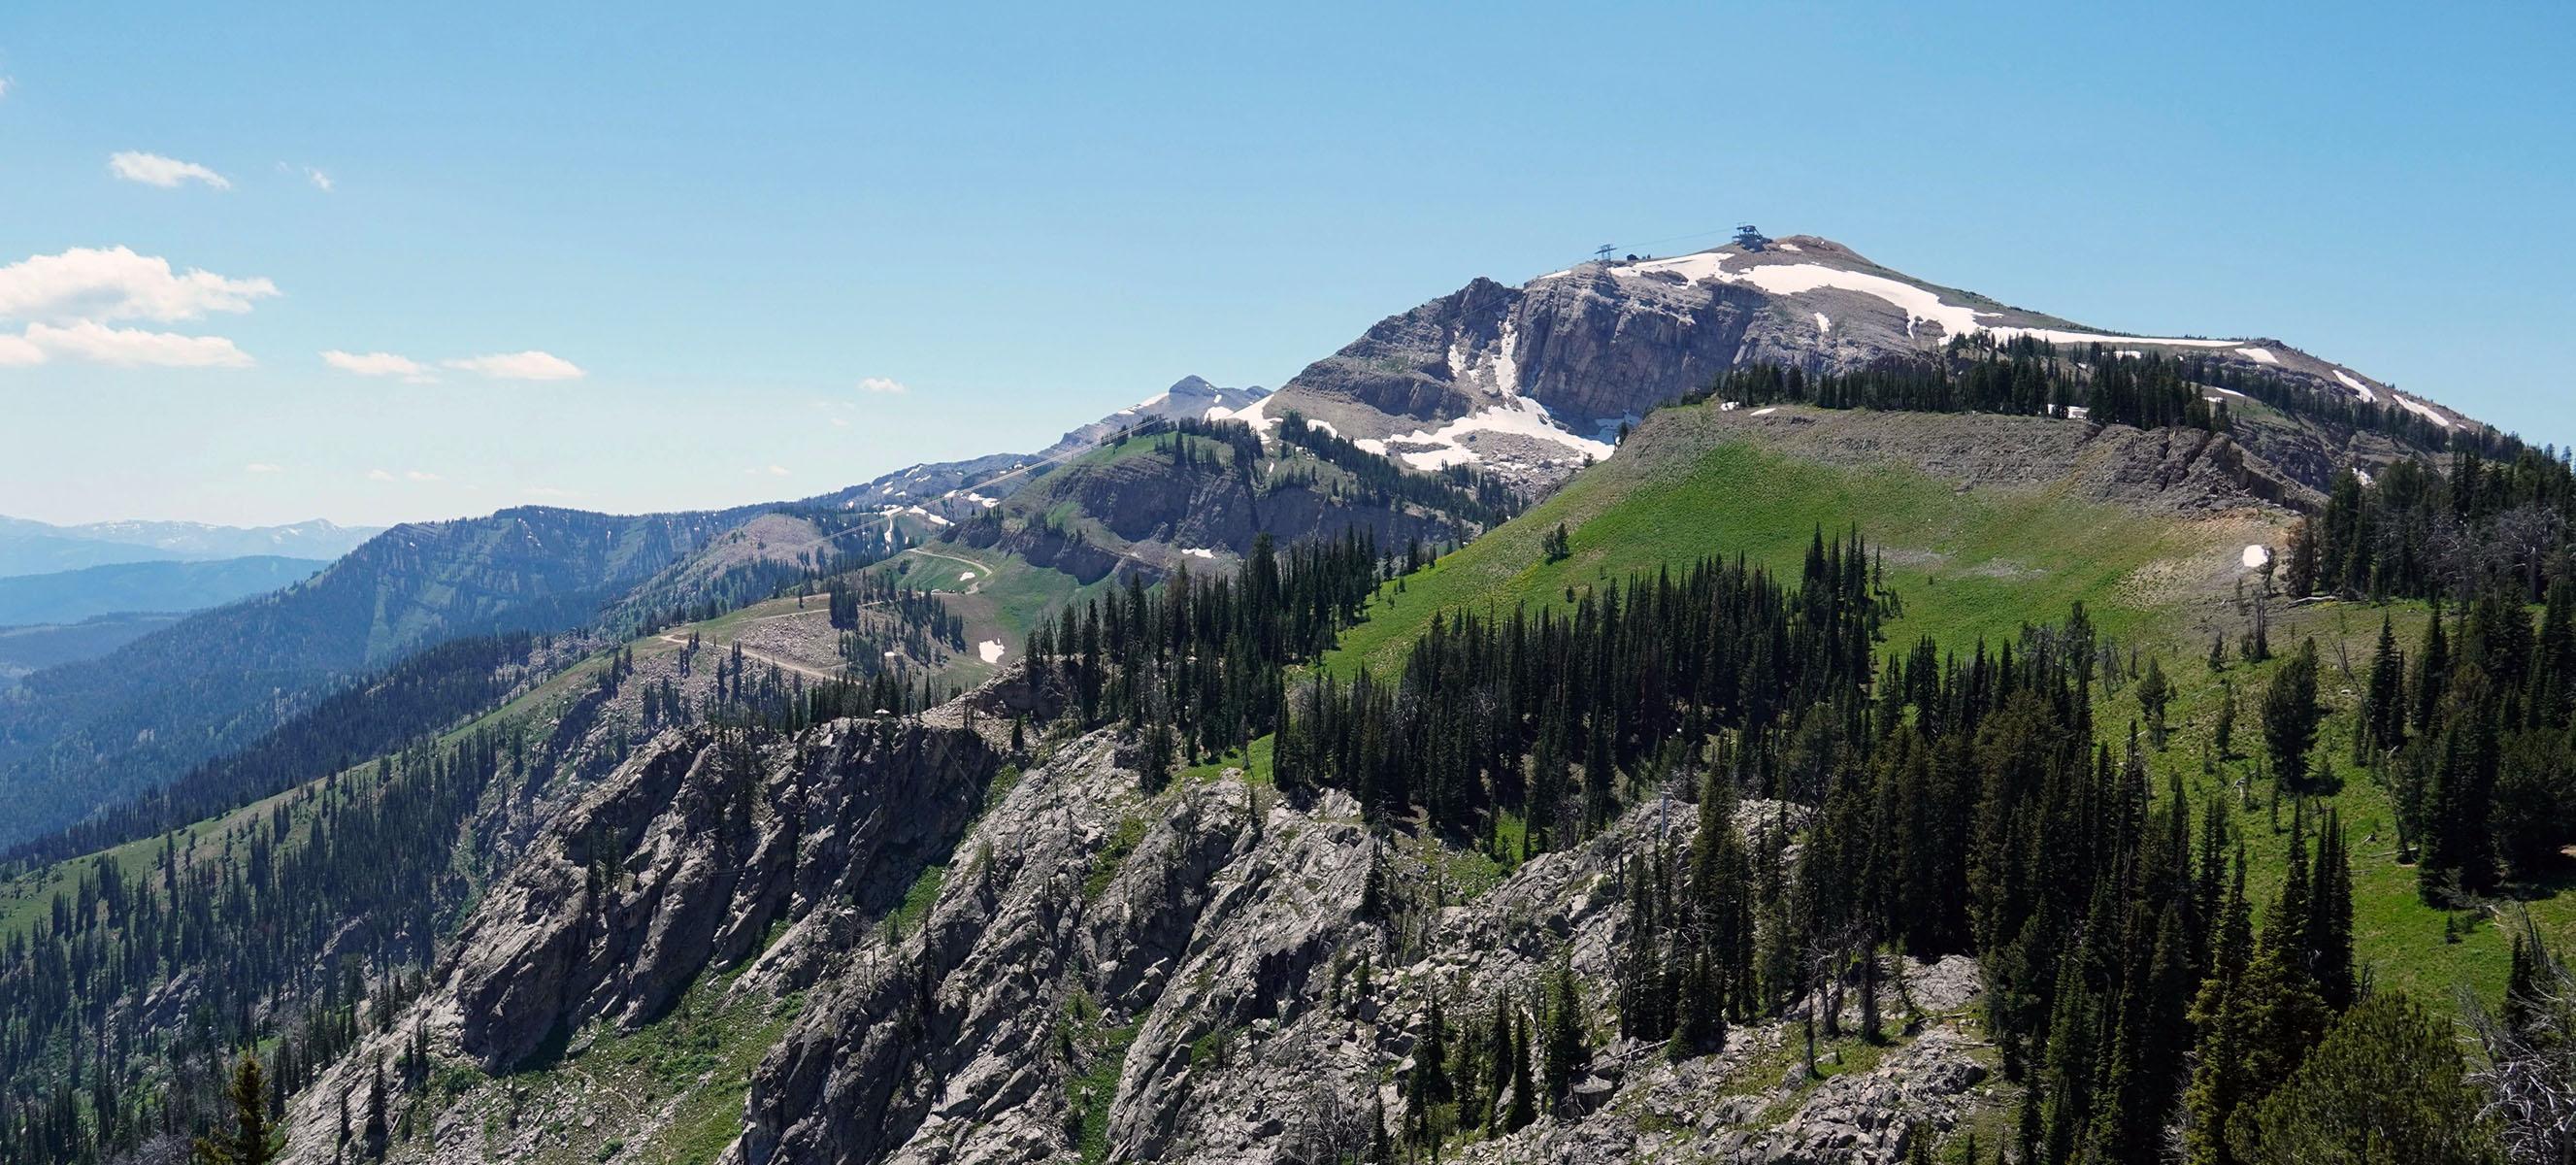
point(70, 596)
point(31, 547)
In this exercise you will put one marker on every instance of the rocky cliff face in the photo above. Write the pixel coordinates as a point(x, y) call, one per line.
point(1103, 972)
point(1187, 976)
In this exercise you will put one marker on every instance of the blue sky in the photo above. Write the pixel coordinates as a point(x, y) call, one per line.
point(743, 231)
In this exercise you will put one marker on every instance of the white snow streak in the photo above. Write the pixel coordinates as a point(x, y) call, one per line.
point(2367, 396)
point(2259, 355)
point(2423, 411)
point(1916, 302)
point(991, 650)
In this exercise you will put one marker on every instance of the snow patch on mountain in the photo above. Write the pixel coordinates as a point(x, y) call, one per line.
point(1918, 303)
point(2367, 396)
point(1250, 414)
point(1520, 417)
point(2423, 410)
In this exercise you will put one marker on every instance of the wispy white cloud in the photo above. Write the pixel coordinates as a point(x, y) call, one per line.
point(379, 364)
point(769, 471)
point(529, 365)
point(87, 283)
point(97, 343)
point(320, 180)
point(4, 86)
point(419, 475)
point(156, 170)
point(261, 467)
point(882, 384)
point(379, 475)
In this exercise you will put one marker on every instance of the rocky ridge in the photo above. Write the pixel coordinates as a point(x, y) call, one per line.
point(1182, 974)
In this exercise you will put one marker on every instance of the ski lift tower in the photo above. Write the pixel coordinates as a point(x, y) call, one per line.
point(1601, 253)
point(1749, 238)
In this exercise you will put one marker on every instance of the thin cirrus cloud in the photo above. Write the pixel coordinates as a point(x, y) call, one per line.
point(66, 301)
point(378, 364)
point(882, 385)
point(158, 170)
point(529, 365)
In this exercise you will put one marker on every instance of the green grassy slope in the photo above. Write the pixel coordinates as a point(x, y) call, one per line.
point(1971, 564)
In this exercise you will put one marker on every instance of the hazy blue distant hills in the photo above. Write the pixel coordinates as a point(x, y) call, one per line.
point(71, 596)
point(31, 649)
point(31, 547)
point(94, 732)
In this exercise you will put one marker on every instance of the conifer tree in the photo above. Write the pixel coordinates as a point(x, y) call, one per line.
point(2154, 692)
point(255, 1140)
point(2385, 1085)
point(2218, 1084)
point(2329, 928)
point(2383, 718)
point(2290, 715)
point(1565, 1050)
point(1524, 1106)
point(2432, 674)
point(2222, 728)
point(377, 1135)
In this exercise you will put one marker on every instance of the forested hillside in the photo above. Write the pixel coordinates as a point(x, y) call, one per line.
point(89, 734)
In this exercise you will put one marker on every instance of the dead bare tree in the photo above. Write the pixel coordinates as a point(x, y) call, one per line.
point(2529, 1069)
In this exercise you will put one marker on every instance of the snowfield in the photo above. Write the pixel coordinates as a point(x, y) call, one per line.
point(1520, 416)
point(2259, 355)
point(2255, 556)
point(2367, 396)
point(1918, 304)
point(991, 650)
point(1250, 414)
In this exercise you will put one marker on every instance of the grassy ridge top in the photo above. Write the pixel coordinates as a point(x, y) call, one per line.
point(1966, 564)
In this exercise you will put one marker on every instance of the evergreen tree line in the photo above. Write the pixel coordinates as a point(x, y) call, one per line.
point(2414, 533)
point(1198, 664)
point(1537, 717)
point(2474, 735)
point(2024, 377)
